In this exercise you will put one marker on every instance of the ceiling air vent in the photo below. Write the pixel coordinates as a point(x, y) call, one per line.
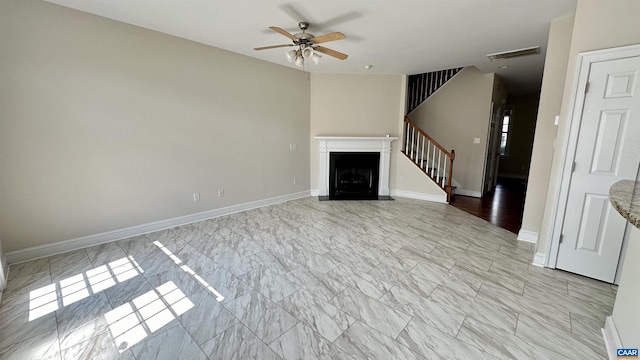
point(514, 53)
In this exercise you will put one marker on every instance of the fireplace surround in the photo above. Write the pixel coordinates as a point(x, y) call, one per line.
point(357, 145)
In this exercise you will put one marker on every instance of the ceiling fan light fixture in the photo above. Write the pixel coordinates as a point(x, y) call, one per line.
point(291, 55)
point(306, 45)
point(316, 58)
point(307, 53)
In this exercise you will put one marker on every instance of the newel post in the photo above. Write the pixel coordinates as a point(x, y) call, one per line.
point(449, 180)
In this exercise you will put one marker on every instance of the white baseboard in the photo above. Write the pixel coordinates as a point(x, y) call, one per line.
point(528, 236)
point(611, 338)
point(419, 196)
point(109, 236)
point(471, 193)
point(315, 192)
point(538, 259)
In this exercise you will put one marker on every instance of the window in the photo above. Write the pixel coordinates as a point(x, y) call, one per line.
point(504, 132)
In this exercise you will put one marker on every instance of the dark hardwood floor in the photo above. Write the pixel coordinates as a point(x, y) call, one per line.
point(502, 207)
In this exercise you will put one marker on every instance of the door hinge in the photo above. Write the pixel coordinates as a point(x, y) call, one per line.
point(573, 167)
point(586, 88)
point(561, 238)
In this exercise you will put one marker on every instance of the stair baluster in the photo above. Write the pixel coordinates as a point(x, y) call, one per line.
point(421, 86)
point(406, 135)
point(439, 170)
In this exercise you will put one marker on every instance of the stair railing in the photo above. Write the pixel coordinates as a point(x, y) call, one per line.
point(433, 159)
point(421, 86)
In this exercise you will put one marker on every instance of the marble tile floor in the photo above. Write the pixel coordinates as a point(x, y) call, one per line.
point(304, 279)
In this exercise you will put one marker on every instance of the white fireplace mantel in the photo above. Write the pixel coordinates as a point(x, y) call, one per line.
point(380, 144)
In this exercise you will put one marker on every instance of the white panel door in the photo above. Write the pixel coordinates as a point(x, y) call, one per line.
point(608, 150)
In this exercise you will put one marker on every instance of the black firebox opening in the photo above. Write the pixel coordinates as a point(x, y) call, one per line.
point(353, 175)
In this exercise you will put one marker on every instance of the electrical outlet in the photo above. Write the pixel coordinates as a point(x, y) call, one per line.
point(196, 197)
point(295, 181)
point(401, 178)
point(476, 140)
point(221, 193)
point(292, 147)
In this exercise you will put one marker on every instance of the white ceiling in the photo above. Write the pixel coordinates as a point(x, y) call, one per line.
point(395, 36)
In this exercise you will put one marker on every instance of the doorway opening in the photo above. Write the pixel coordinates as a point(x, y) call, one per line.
point(503, 206)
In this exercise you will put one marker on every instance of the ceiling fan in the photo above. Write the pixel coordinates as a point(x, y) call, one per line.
point(307, 45)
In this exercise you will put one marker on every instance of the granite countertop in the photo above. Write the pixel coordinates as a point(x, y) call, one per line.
point(627, 202)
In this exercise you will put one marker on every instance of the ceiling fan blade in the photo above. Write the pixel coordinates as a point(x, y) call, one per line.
point(335, 54)
point(283, 32)
point(328, 37)
point(272, 47)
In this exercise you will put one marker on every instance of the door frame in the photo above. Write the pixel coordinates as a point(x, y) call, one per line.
point(492, 144)
point(498, 118)
point(487, 161)
point(570, 140)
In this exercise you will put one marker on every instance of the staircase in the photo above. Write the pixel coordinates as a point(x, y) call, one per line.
point(420, 148)
point(429, 156)
point(421, 86)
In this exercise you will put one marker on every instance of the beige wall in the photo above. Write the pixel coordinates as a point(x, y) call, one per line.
point(555, 67)
point(355, 105)
point(104, 125)
point(597, 25)
point(626, 311)
point(522, 128)
point(456, 114)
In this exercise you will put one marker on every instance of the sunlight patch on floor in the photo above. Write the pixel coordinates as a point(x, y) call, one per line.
point(189, 271)
point(46, 299)
point(134, 321)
